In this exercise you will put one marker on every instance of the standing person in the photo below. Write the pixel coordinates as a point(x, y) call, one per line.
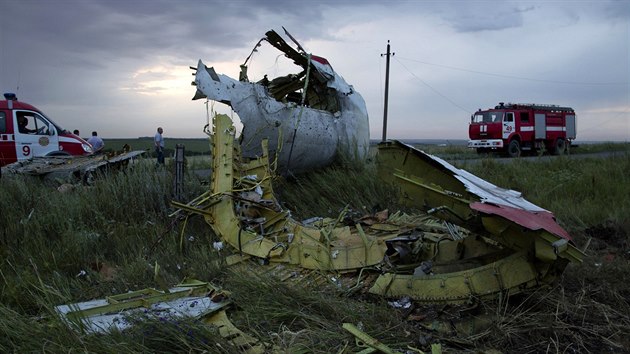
point(96, 142)
point(159, 145)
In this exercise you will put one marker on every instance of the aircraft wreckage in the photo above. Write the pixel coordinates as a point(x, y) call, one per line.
point(475, 241)
point(307, 117)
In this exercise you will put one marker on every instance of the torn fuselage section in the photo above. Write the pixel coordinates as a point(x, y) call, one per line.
point(307, 117)
point(460, 249)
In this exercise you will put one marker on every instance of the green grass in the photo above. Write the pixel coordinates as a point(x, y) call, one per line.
point(192, 146)
point(449, 152)
point(55, 248)
point(601, 147)
point(581, 193)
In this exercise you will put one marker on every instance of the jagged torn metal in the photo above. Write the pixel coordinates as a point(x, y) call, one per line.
point(105, 315)
point(500, 201)
point(307, 117)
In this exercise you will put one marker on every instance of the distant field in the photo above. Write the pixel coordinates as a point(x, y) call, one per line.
point(198, 146)
point(447, 149)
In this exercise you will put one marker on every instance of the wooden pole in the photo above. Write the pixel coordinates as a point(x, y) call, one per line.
point(388, 54)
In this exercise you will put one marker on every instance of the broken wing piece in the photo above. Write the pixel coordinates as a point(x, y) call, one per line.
point(534, 249)
point(307, 117)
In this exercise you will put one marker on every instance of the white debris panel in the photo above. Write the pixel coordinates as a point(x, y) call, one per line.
point(101, 316)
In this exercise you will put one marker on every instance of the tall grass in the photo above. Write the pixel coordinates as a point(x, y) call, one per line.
point(581, 193)
point(58, 248)
point(327, 192)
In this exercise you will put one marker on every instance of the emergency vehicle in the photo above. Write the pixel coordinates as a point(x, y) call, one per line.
point(516, 127)
point(25, 132)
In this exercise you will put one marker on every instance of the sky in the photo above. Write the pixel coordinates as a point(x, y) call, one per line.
point(121, 67)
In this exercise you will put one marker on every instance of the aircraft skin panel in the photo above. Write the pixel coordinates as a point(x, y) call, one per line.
point(330, 118)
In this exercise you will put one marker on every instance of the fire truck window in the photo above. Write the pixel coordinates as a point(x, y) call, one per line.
point(3, 122)
point(488, 117)
point(509, 117)
point(525, 117)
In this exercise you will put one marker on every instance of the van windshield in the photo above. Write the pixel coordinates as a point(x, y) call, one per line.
point(57, 127)
point(487, 117)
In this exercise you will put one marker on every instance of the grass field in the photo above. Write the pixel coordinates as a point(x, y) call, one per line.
point(192, 146)
point(90, 242)
point(202, 147)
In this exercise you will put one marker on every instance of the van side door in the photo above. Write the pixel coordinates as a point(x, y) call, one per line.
point(34, 135)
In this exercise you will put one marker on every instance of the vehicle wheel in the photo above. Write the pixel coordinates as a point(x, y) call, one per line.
point(58, 153)
point(514, 148)
point(560, 147)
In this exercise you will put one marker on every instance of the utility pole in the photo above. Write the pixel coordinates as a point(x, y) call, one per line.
point(388, 54)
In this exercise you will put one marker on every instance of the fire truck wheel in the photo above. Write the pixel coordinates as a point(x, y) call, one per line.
point(514, 148)
point(560, 147)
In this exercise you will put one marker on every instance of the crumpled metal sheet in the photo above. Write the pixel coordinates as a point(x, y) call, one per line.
point(102, 315)
point(533, 220)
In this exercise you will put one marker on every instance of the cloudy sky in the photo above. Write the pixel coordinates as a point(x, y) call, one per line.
point(121, 67)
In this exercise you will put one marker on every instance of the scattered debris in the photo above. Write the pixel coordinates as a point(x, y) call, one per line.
point(476, 241)
point(70, 168)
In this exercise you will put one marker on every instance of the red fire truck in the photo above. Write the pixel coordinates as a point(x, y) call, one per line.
point(26, 132)
point(515, 127)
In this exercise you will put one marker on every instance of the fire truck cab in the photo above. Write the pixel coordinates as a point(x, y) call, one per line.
point(515, 127)
point(25, 132)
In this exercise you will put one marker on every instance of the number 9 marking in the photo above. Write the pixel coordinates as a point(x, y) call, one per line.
point(26, 150)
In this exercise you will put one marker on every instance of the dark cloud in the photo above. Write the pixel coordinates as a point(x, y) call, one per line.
point(113, 56)
point(617, 10)
point(80, 39)
point(484, 16)
point(138, 29)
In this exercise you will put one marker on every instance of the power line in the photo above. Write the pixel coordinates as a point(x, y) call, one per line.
point(518, 77)
point(601, 125)
point(433, 89)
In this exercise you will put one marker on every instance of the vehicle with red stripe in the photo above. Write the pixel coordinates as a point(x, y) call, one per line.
point(25, 132)
point(516, 127)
